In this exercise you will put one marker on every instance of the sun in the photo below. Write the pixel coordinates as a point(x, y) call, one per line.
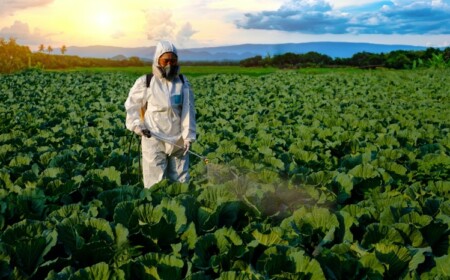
point(103, 20)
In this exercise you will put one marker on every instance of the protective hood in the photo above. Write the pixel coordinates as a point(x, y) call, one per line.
point(163, 47)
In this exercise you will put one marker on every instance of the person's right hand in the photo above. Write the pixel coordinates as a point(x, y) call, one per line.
point(146, 133)
point(142, 131)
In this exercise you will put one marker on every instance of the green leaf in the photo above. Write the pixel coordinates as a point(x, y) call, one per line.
point(6, 180)
point(439, 187)
point(161, 266)
point(99, 271)
point(396, 168)
point(275, 260)
point(99, 228)
point(265, 150)
point(28, 243)
point(302, 155)
point(214, 196)
point(345, 182)
point(205, 248)
point(274, 162)
point(174, 213)
point(321, 218)
point(226, 238)
point(65, 211)
point(29, 254)
point(207, 219)
point(377, 233)
point(111, 198)
point(20, 161)
point(189, 237)
point(416, 219)
point(306, 267)
point(320, 178)
point(112, 174)
point(31, 203)
point(436, 235)
point(442, 267)
point(274, 237)
point(411, 233)
point(338, 262)
point(346, 222)
point(346, 186)
point(68, 233)
point(418, 258)
point(52, 172)
point(364, 171)
point(375, 269)
point(162, 233)
point(397, 258)
point(147, 214)
point(124, 214)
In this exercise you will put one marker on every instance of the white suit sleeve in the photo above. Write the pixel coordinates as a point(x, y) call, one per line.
point(134, 103)
point(188, 122)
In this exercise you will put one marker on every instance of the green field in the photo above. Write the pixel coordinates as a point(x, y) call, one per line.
point(190, 71)
point(197, 71)
point(312, 174)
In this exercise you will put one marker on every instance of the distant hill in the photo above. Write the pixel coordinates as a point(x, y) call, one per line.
point(239, 52)
point(119, 57)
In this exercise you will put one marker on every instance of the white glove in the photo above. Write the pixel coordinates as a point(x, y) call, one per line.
point(186, 146)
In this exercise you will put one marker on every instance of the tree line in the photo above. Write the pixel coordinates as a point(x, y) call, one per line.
point(399, 59)
point(14, 57)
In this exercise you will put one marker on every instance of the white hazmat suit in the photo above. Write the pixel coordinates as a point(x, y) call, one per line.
point(169, 116)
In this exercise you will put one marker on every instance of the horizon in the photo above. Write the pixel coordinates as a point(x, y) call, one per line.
point(243, 44)
point(243, 51)
point(194, 24)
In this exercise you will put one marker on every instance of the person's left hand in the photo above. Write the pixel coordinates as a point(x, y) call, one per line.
point(186, 146)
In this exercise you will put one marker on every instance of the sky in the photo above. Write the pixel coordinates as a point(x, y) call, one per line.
point(207, 23)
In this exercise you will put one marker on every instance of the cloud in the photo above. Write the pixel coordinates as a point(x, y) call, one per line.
point(118, 34)
point(382, 17)
point(184, 35)
point(160, 26)
point(8, 7)
point(21, 32)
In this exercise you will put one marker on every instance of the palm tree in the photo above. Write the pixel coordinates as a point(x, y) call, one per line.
point(41, 48)
point(49, 49)
point(63, 49)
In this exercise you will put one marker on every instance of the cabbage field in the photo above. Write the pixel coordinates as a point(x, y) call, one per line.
point(310, 176)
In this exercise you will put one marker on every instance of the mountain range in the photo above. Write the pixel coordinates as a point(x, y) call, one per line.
point(240, 52)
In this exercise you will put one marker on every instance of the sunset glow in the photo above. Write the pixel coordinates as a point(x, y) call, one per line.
point(202, 23)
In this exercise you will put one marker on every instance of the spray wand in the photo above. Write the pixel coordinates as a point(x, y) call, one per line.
point(148, 134)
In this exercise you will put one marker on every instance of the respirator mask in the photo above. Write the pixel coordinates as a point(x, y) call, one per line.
point(169, 72)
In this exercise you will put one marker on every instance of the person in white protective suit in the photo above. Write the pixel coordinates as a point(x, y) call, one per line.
point(164, 116)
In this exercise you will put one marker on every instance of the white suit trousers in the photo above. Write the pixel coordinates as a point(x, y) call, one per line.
point(161, 160)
